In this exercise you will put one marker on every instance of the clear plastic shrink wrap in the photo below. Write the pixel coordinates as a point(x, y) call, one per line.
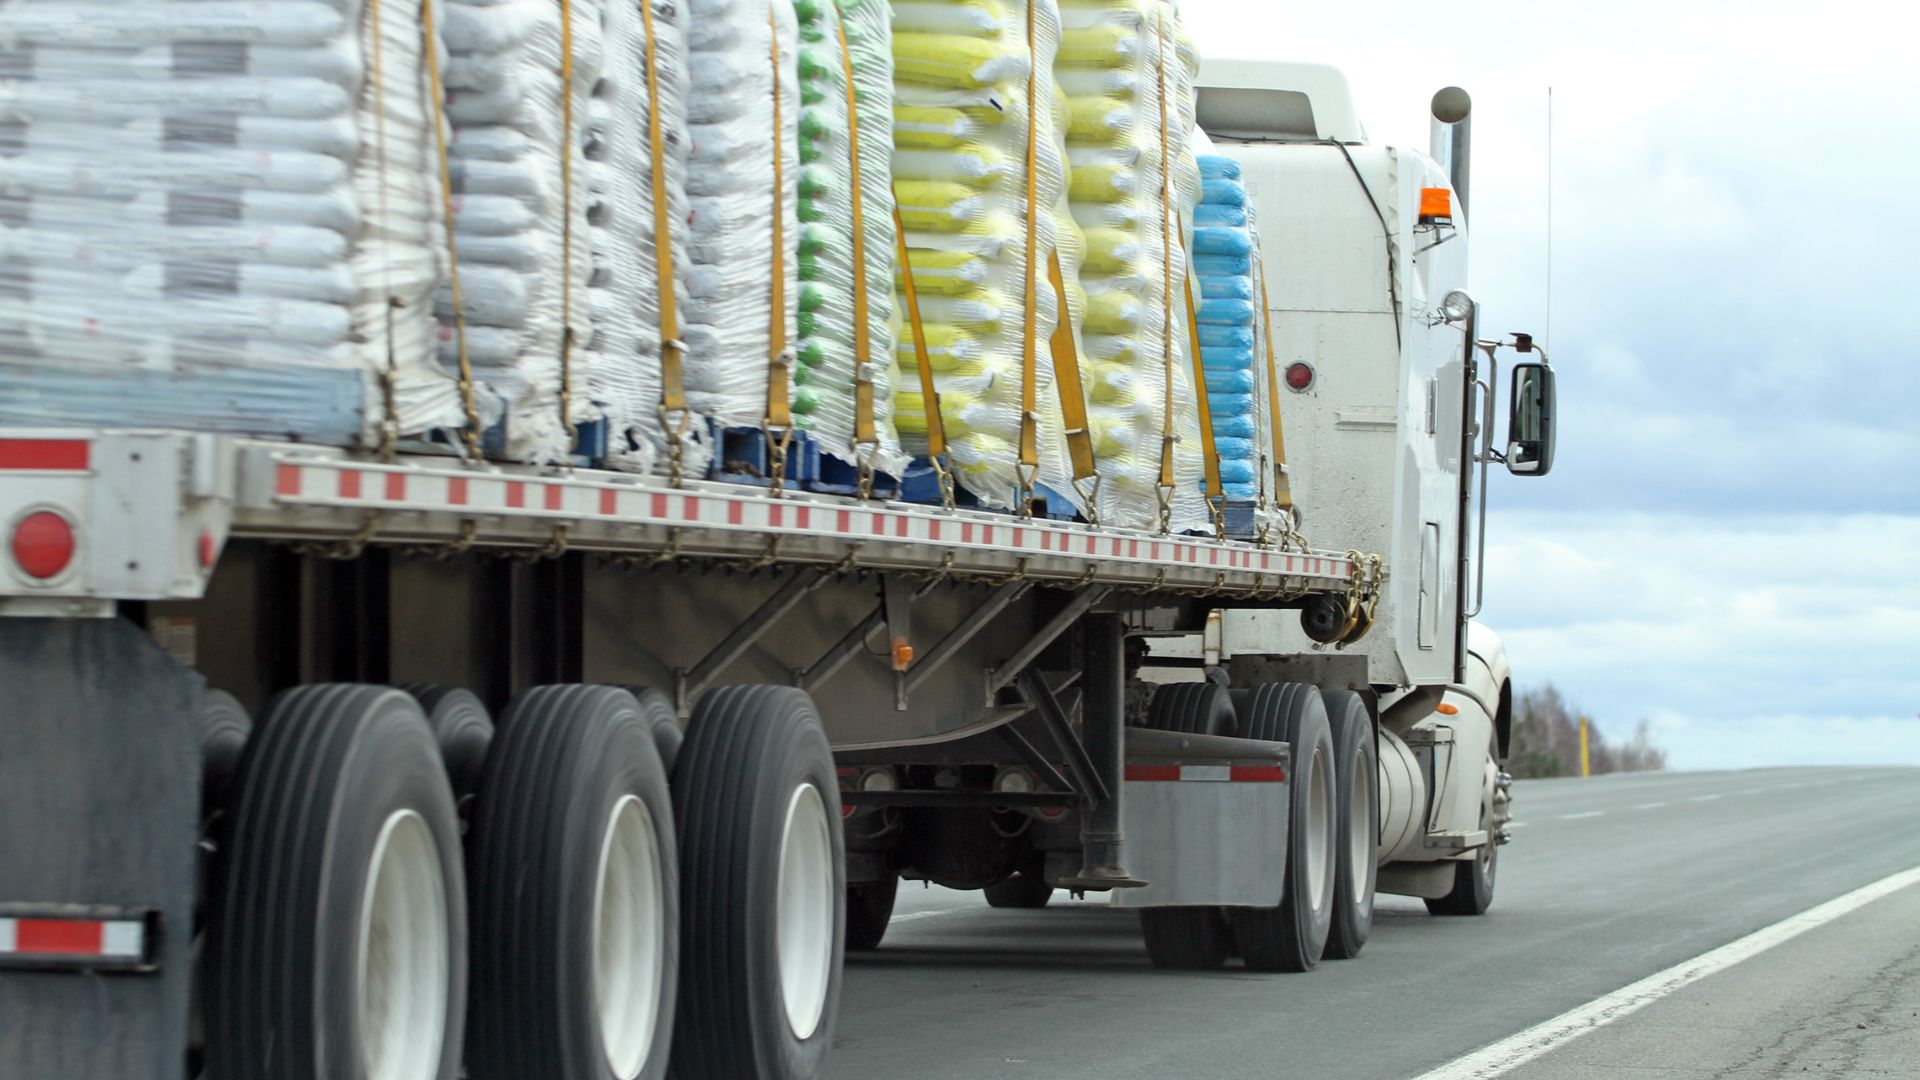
point(824, 398)
point(222, 216)
point(732, 195)
point(961, 115)
point(1115, 58)
point(520, 212)
point(1231, 348)
point(624, 290)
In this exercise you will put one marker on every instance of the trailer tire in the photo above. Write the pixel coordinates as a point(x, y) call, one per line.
point(1197, 708)
point(224, 730)
point(337, 931)
point(1019, 891)
point(1473, 879)
point(462, 728)
point(1186, 938)
point(658, 711)
point(1357, 772)
point(869, 909)
point(1293, 936)
point(763, 887)
point(576, 893)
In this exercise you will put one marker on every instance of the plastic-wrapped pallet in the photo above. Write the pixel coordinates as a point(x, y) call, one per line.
point(1134, 186)
point(624, 290)
point(216, 217)
point(961, 117)
point(520, 221)
point(824, 400)
point(739, 146)
point(1229, 325)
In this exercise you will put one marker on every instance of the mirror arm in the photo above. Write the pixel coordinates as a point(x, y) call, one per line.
point(1486, 455)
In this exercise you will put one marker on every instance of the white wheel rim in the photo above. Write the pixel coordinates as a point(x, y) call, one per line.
point(629, 937)
point(402, 970)
point(804, 921)
point(1319, 830)
point(1359, 828)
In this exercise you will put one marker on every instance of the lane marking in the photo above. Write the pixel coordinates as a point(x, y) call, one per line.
point(913, 915)
point(1750, 791)
point(1652, 805)
point(1514, 1051)
point(1582, 814)
point(1702, 798)
point(1516, 824)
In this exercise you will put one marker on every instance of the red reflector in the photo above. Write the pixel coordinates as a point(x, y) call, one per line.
point(61, 455)
point(64, 937)
point(43, 544)
point(1257, 774)
point(208, 551)
point(1299, 375)
point(1153, 772)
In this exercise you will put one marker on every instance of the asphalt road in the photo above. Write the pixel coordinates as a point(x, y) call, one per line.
point(1608, 881)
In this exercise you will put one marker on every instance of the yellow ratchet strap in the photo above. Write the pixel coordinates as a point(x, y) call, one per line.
point(929, 393)
point(1216, 495)
point(1028, 469)
point(1282, 487)
point(430, 46)
point(566, 219)
point(673, 386)
point(864, 433)
point(779, 416)
point(1066, 374)
point(1167, 224)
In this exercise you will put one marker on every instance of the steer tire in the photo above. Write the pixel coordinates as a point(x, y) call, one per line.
point(869, 909)
point(1357, 843)
point(462, 728)
point(756, 792)
point(1197, 708)
point(1292, 936)
point(1186, 938)
point(1473, 879)
point(571, 854)
point(337, 895)
point(1019, 891)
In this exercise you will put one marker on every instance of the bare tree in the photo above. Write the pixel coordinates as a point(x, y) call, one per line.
point(1546, 740)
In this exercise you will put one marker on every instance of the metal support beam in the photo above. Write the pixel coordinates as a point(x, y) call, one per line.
point(1034, 759)
point(968, 629)
point(1048, 799)
point(1011, 668)
point(1103, 713)
point(1089, 783)
point(689, 682)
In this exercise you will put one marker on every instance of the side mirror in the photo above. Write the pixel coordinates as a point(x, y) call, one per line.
point(1530, 424)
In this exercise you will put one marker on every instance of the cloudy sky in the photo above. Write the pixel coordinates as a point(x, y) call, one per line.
point(1729, 545)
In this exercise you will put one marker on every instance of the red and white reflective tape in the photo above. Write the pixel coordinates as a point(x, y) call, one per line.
point(1220, 774)
point(81, 941)
point(428, 489)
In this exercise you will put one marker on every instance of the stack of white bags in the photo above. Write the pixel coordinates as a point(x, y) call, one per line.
point(215, 215)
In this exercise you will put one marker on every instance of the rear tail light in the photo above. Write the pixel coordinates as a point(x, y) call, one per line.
point(43, 544)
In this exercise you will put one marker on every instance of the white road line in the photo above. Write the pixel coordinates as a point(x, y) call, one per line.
point(1702, 798)
point(1584, 813)
point(1652, 805)
point(1510, 1053)
point(1750, 791)
point(913, 915)
point(1516, 824)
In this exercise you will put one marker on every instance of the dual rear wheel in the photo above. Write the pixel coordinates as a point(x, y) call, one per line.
point(343, 912)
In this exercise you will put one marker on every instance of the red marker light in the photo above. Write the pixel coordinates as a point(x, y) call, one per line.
point(1299, 376)
point(43, 544)
point(208, 551)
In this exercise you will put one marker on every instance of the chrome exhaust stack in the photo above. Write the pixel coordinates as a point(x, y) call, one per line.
point(1451, 139)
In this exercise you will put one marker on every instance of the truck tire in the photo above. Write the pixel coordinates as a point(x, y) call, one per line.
point(869, 909)
point(337, 932)
point(571, 856)
point(1019, 891)
point(657, 709)
point(1186, 938)
point(763, 888)
point(1199, 708)
point(462, 728)
point(1292, 936)
point(1357, 775)
point(224, 730)
point(1473, 878)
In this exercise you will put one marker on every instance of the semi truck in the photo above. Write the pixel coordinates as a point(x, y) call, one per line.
point(326, 762)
